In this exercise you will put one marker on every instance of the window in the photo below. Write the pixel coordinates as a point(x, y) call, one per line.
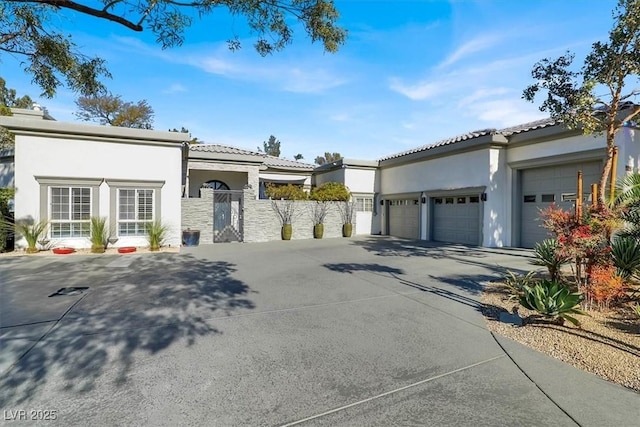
point(568, 197)
point(135, 211)
point(461, 200)
point(215, 184)
point(530, 198)
point(437, 200)
point(548, 198)
point(70, 211)
point(448, 200)
point(474, 199)
point(364, 204)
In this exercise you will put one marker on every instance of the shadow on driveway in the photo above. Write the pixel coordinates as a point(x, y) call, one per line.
point(155, 302)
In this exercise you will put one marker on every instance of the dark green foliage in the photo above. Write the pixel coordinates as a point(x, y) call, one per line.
point(552, 300)
point(327, 158)
point(9, 100)
point(548, 254)
point(625, 251)
point(6, 219)
point(330, 192)
point(30, 31)
point(271, 147)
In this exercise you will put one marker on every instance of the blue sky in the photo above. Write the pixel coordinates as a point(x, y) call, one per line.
point(411, 73)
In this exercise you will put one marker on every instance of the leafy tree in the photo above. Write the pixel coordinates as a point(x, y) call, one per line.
point(327, 158)
point(28, 29)
point(108, 109)
point(271, 147)
point(298, 157)
point(573, 96)
point(8, 100)
point(194, 140)
point(330, 191)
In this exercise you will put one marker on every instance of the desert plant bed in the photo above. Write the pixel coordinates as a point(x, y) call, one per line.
point(607, 342)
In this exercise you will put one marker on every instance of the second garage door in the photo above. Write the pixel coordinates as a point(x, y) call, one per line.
point(540, 187)
point(456, 219)
point(404, 218)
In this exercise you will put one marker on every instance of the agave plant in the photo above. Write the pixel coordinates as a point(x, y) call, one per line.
point(625, 251)
point(32, 232)
point(156, 233)
point(548, 255)
point(553, 300)
point(516, 283)
point(99, 234)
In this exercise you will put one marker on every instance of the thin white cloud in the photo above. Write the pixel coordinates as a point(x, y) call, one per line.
point(175, 88)
point(478, 44)
point(418, 91)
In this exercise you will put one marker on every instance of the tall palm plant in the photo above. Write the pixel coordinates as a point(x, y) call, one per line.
point(627, 202)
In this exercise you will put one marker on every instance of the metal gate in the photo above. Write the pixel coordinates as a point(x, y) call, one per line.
point(227, 216)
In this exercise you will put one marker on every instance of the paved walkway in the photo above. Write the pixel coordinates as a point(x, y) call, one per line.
point(368, 331)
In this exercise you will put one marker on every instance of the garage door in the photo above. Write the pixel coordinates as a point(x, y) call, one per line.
point(542, 186)
point(456, 219)
point(404, 218)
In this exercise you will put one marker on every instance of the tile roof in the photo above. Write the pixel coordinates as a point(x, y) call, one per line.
point(222, 149)
point(279, 162)
point(269, 161)
point(526, 127)
point(449, 141)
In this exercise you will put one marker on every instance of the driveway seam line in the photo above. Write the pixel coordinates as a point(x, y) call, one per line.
point(552, 400)
point(390, 392)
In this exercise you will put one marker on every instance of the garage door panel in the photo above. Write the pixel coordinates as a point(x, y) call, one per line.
point(540, 187)
point(456, 219)
point(404, 218)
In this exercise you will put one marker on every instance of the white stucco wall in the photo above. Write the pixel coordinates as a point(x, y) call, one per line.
point(360, 180)
point(72, 158)
point(556, 147)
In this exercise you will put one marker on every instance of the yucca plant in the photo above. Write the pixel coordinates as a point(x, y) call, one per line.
point(32, 232)
point(625, 251)
point(548, 254)
point(156, 233)
point(516, 283)
point(99, 234)
point(553, 300)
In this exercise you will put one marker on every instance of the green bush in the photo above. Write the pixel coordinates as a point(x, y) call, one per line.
point(99, 234)
point(330, 192)
point(32, 232)
point(286, 192)
point(625, 251)
point(552, 300)
point(6, 220)
point(156, 233)
point(548, 254)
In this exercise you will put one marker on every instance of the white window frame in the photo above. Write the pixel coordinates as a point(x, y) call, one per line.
point(138, 224)
point(115, 185)
point(364, 203)
point(84, 229)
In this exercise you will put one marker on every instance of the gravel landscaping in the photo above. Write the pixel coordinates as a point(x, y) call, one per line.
point(606, 344)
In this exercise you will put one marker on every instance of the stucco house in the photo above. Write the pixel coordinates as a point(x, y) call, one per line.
point(486, 187)
point(479, 188)
point(66, 173)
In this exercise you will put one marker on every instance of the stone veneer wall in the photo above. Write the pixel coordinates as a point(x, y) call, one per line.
point(261, 223)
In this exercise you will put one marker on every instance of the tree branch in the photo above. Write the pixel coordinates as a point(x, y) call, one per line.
point(68, 4)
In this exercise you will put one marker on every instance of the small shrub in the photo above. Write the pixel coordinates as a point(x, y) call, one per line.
point(156, 233)
point(286, 192)
point(330, 192)
point(552, 300)
point(605, 285)
point(548, 254)
point(99, 234)
point(517, 283)
point(6, 219)
point(625, 251)
point(32, 232)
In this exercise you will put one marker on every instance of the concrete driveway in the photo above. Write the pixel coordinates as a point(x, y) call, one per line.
point(368, 331)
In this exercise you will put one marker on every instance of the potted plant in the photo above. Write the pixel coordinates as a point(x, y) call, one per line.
point(99, 234)
point(285, 209)
point(347, 210)
point(318, 211)
point(32, 233)
point(156, 233)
